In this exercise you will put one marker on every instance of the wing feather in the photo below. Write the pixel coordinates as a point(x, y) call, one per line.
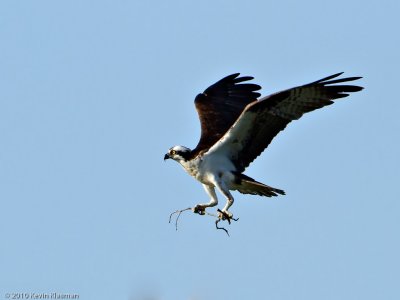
point(220, 105)
point(262, 120)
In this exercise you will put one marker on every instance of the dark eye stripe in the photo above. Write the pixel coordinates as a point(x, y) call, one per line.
point(183, 154)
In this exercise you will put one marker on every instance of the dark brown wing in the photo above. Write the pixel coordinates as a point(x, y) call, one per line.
point(262, 120)
point(220, 105)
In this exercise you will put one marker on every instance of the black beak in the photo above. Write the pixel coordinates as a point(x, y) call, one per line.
point(166, 156)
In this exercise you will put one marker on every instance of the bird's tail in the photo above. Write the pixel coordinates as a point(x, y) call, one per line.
point(247, 185)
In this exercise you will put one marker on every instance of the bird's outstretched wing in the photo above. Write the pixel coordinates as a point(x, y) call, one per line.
point(262, 120)
point(220, 105)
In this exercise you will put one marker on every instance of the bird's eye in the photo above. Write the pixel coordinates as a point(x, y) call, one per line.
point(173, 152)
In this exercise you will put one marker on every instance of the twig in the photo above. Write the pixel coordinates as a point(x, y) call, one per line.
point(224, 229)
point(224, 216)
point(212, 215)
point(179, 211)
point(221, 217)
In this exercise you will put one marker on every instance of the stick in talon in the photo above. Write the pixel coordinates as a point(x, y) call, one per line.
point(224, 229)
point(223, 215)
point(199, 209)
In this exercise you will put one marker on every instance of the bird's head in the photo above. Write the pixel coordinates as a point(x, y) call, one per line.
point(178, 153)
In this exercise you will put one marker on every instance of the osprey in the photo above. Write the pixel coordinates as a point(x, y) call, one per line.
point(236, 127)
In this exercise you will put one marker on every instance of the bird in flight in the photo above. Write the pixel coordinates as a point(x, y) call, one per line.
point(237, 125)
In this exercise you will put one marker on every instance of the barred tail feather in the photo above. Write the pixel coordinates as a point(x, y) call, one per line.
point(247, 185)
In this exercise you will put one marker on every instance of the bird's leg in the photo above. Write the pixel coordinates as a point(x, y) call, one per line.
point(201, 208)
point(224, 214)
point(229, 202)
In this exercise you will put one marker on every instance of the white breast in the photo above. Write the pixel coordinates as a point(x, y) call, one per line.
point(209, 168)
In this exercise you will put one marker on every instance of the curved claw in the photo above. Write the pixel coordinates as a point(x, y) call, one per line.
point(199, 209)
point(225, 215)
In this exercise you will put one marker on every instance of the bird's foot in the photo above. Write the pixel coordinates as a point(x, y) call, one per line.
point(226, 215)
point(199, 209)
point(222, 216)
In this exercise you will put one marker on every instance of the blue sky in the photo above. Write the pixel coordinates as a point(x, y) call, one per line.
point(93, 93)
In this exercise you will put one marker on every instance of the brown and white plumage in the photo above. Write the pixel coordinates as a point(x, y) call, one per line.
point(236, 127)
point(263, 119)
point(220, 105)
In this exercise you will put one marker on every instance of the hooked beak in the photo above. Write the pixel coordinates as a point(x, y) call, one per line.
point(166, 156)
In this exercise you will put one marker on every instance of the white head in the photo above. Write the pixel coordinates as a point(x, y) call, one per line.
point(178, 153)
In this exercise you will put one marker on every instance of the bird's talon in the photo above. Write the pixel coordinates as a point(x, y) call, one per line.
point(198, 209)
point(226, 215)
